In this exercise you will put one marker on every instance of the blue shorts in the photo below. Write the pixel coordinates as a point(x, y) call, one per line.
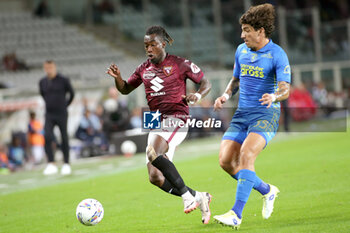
point(261, 121)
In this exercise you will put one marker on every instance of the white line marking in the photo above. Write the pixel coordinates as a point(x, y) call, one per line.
point(3, 186)
point(27, 181)
point(106, 166)
point(81, 171)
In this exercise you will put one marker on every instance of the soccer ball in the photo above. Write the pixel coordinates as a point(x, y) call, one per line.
point(128, 148)
point(89, 212)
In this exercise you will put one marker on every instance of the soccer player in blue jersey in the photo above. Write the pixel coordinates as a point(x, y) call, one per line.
point(262, 75)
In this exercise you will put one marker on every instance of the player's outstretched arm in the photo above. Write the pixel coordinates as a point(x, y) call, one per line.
point(231, 90)
point(204, 88)
point(122, 86)
point(281, 94)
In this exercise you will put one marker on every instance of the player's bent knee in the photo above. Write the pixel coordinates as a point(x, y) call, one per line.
point(226, 165)
point(156, 179)
point(247, 157)
point(151, 153)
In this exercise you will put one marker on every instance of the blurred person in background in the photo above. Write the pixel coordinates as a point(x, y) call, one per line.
point(262, 74)
point(10, 62)
point(4, 160)
point(42, 10)
point(36, 138)
point(117, 113)
point(90, 130)
point(301, 103)
point(17, 154)
point(136, 118)
point(164, 77)
point(58, 94)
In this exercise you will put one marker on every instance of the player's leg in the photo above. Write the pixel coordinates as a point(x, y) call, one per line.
point(229, 162)
point(246, 176)
point(156, 150)
point(62, 124)
point(244, 173)
point(51, 168)
point(157, 178)
point(266, 127)
point(203, 198)
point(229, 156)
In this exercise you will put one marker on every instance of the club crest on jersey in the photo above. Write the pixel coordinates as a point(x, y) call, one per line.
point(168, 70)
point(195, 69)
point(253, 57)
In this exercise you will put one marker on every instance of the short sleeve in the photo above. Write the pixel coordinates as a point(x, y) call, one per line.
point(192, 71)
point(236, 66)
point(135, 79)
point(282, 67)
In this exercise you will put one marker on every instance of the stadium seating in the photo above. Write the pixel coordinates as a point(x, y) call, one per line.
point(78, 54)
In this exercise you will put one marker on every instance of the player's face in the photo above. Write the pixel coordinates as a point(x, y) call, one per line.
point(251, 36)
point(155, 48)
point(50, 69)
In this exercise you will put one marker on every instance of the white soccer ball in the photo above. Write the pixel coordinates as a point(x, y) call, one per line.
point(89, 212)
point(128, 147)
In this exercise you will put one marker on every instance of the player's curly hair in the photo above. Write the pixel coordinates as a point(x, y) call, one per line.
point(160, 31)
point(260, 16)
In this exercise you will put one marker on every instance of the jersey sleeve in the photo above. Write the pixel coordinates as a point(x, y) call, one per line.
point(135, 79)
point(192, 71)
point(282, 67)
point(236, 66)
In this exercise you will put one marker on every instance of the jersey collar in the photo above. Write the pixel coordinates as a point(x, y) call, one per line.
point(162, 63)
point(263, 49)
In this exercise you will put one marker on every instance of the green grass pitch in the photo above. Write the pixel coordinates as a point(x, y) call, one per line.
point(311, 171)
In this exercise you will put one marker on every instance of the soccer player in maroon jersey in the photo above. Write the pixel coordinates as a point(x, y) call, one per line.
point(164, 77)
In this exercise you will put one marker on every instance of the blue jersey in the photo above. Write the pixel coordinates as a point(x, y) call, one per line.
point(259, 72)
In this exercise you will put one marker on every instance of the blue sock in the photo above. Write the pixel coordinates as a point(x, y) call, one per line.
point(259, 185)
point(238, 208)
point(246, 180)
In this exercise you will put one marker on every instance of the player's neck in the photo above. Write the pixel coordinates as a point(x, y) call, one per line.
point(262, 44)
point(162, 58)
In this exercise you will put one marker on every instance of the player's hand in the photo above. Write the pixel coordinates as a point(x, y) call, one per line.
point(190, 98)
point(219, 102)
point(267, 99)
point(113, 71)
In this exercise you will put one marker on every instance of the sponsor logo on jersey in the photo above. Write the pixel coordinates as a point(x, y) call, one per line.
point(148, 75)
point(253, 71)
point(195, 69)
point(151, 120)
point(157, 86)
point(244, 51)
point(286, 70)
point(167, 70)
point(267, 55)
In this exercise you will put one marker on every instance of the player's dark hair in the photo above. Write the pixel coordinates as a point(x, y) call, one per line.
point(49, 62)
point(260, 16)
point(160, 31)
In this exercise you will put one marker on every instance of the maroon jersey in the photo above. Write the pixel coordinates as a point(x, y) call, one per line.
point(165, 83)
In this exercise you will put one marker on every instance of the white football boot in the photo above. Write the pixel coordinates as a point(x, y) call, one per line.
point(204, 201)
point(190, 202)
point(66, 169)
point(50, 169)
point(268, 201)
point(229, 219)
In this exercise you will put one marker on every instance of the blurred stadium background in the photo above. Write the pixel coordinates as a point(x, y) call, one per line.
point(85, 36)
